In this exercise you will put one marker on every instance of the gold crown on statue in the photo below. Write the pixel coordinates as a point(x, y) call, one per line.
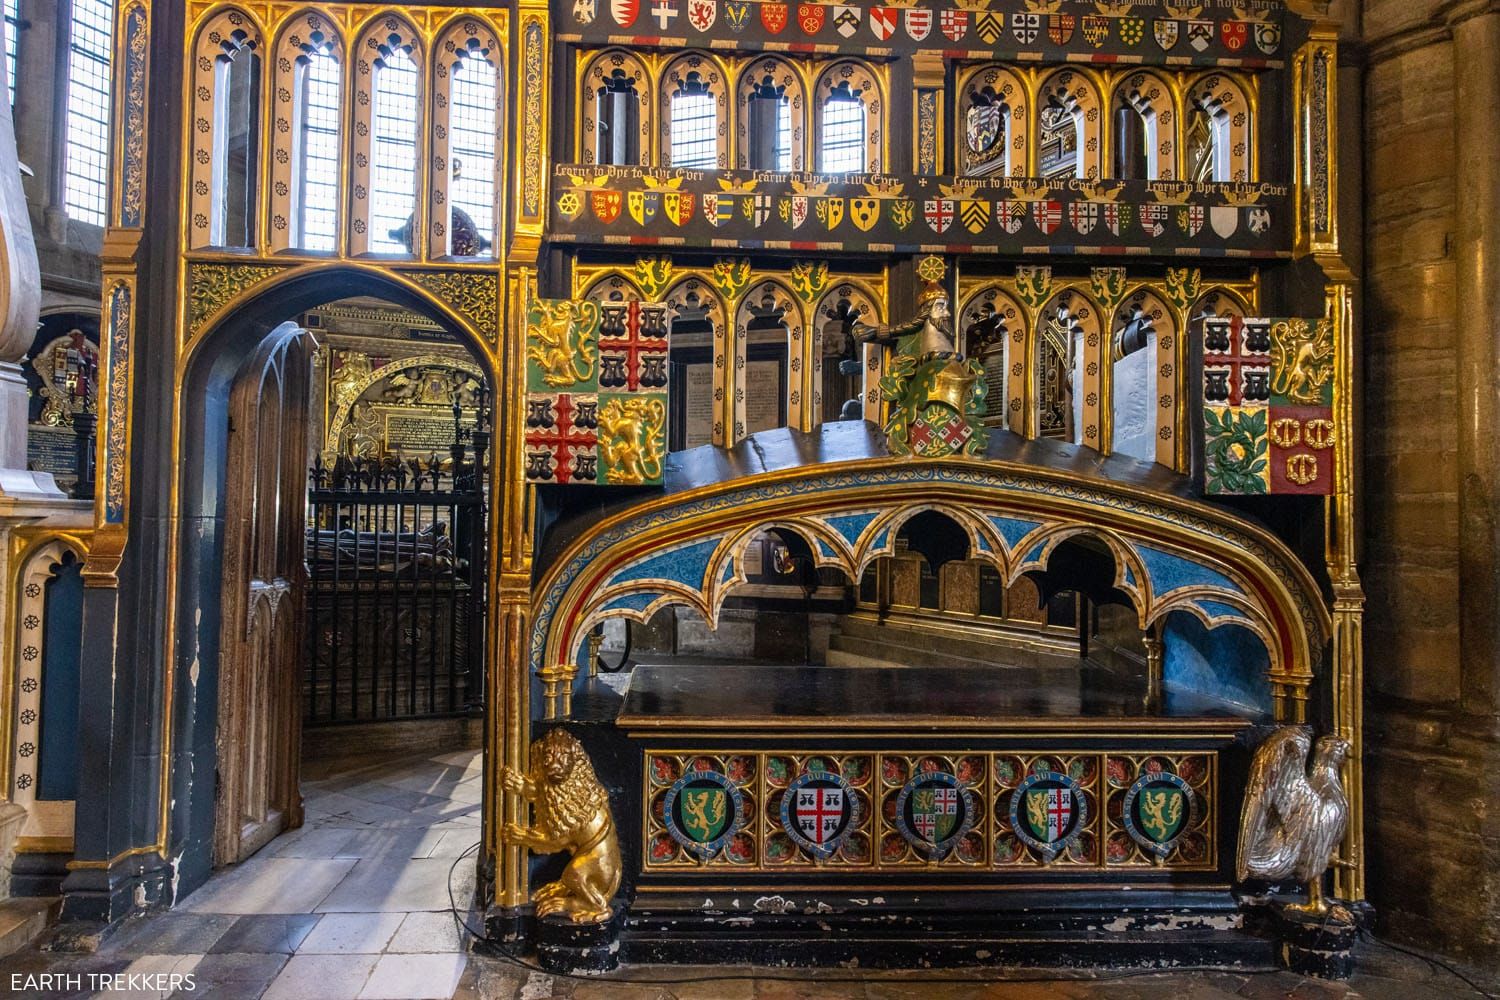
point(931, 290)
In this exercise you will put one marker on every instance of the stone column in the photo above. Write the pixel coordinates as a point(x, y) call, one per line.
point(20, 304)
point(1476, 44)
point(42, 108)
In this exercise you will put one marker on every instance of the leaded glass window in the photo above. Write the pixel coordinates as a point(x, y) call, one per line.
point(471, 123)
point(694, 126)
point(316, 152)
point(841, 146)
point(86, 180)
point(394, 167)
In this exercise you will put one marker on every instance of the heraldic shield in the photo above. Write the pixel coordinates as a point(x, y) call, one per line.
point(1047, 810)
point(702, 811)
point(933, 811)
point(818, 811)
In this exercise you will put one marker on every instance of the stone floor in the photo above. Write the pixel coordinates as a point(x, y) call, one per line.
point(355, 906)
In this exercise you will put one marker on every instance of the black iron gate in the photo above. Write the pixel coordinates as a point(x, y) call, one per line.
point(396, 560)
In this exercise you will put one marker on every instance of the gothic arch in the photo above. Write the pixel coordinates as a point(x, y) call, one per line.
point(1075, 93)
point(199, 419)
point(999, 343)
point(596, 74)
point(389, 38)
point(1070, 321)
point(785, 76)
point(773, 293)
point(305, 36)
point(465, 38)
point(860, 81)
point(1143, 383)
point(228, 35)
point(1225, 99)
point(852, 295)
point(1169, 553)
point(718, 316)
point(695, 70)
point(1149, 96)
point(1000, 86)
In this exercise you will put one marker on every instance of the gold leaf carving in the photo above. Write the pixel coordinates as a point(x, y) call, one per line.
point(212, 286)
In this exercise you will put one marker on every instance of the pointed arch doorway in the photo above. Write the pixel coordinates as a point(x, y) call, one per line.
point(267, 440)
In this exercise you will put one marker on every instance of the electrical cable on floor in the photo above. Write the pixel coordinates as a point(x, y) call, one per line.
point(1432, 963)
point(478, 935)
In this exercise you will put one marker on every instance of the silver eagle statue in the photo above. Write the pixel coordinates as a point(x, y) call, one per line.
point(1294, 817)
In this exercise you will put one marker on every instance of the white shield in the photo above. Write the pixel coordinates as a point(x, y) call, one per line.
point(1224, 220)
point(818, 813)
point(703, 13)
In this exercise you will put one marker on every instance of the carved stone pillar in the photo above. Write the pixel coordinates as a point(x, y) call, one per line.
point(1476, 39)
point(20, 304)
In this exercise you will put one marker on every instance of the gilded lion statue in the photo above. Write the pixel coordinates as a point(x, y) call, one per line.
point(570, 813)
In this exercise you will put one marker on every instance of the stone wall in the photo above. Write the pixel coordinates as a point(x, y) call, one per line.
point(1433, 760)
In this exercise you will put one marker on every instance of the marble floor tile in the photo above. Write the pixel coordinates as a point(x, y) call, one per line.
point(432, 932)
point(270, 885)
point(351, 933)
point(321, 977)
point(173, 933)
point(402, 843)
point(379, 885)
point(414, 977)
point(309, 842)
point(266, 934)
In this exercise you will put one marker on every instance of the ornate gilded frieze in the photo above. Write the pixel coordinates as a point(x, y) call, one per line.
point(115, 447)
point(135, 29)
point(1181, 32)
point(951, 813)
point(472, 294)
point(880, 213)
point(213, 286)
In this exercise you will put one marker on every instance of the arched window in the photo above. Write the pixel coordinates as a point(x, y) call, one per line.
point(769, 121)
point(1141, 399)
point(697, 320)
point(1067, 369)
point(842, 146)
point(694, 114)
point(305, 138)
point(768, 336)
point(1219, 129)
point(394, 184)
point(467, 123)
point(849, 123)
point(771, 109)
point(839, 383)
point(1068, 127)
point(88, 134)
point(992, 123)
point(693, 124)
point(616, 120)
point(236, 148)
point(225, 133)
point(992, 325)
point(315, 131)
point(1145, 130)
point(387, 122)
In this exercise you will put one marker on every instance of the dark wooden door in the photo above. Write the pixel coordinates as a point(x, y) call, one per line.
point(260, 639)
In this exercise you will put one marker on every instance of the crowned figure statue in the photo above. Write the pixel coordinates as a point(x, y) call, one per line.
point(936, 395)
